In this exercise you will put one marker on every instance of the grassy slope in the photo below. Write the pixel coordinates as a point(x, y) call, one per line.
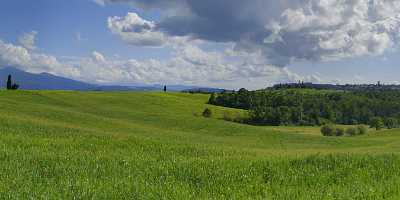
point(153, 146)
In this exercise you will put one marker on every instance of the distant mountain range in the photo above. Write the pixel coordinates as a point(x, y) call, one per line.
point(46, 81)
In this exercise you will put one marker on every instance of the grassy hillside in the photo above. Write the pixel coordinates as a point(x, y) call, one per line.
point(76, 145)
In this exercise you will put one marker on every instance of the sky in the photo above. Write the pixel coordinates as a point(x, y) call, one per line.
point(216, 43)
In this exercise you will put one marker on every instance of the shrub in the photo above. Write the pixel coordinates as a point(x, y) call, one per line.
point(362, 130)
point(328, 130)
point(207, 113)
point(14, 86)
point(228, 116)
point(240, 118)
point(339, 131)
point(331, 130)
point(234, 117)
point(352, 131)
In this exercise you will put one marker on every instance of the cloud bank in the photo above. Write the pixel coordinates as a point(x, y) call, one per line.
point(189, 65)
point(283, 31)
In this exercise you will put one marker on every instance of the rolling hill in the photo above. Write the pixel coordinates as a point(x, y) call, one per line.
point(46, 81)
point(148, 145)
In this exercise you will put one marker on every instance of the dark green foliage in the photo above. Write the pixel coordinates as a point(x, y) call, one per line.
point(212, 99)
point(14, 86)
point(352, 131)
point(328, 130)
point(207, 113)
point(241, 99)
point(9, 83)
point(391, 122)
point(312, 107)
point(165, 88)
point(377, 123)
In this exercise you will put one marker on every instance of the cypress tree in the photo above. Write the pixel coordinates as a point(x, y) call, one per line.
point(9, 83)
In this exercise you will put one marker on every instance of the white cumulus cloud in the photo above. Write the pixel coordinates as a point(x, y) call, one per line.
point(139, 32)
point(28, 40)
point(188, 65)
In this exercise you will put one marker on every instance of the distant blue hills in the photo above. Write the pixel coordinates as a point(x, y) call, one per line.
point(46, 81)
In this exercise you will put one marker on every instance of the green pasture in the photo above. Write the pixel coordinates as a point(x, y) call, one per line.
point(149, 145)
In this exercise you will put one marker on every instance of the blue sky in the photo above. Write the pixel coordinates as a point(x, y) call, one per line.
point(59, 22)
point(220, 43)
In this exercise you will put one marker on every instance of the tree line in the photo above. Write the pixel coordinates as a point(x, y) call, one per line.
point(314, 107)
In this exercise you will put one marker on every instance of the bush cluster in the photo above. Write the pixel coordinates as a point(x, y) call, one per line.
point(331, 130)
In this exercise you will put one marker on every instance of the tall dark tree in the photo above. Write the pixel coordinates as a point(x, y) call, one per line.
point(9, 83)
point(165, 88)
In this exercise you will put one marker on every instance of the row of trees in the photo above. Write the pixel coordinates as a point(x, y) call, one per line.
point(314, 107)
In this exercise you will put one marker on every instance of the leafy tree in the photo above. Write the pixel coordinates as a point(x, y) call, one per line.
point(391, 122)
point(212, 100)
point(242, 98)
point(377, 123)
point(207, 113)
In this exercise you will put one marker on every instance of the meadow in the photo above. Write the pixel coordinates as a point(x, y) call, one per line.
point(149, 145)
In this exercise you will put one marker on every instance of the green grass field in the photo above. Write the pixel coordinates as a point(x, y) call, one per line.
point(122, 145)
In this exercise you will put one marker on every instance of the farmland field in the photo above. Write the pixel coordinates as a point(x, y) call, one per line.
point(134, 145)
